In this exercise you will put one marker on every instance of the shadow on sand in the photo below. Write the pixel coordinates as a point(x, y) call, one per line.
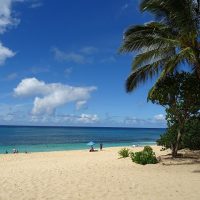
point(185, 157)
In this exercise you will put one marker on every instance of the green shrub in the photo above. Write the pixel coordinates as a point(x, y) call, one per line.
point(190, 138)
point(147, 156)
point(168, 139)
point(124, 153)
point(148, 149)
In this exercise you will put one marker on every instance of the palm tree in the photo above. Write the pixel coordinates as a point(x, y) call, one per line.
point(162, 45)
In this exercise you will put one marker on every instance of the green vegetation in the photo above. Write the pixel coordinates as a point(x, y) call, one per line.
point(146, 156)
point(162, 45)
point(124, 153)
point(190, 138)
point(179, 94)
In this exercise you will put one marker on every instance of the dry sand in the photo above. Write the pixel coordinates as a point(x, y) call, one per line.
point(99, 175)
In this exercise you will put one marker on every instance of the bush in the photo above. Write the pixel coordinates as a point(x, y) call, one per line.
point(124, 153)
point(190, 139)
point(147, 156)
point(168, 139)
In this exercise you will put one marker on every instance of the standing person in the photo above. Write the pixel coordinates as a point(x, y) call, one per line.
point(101, 146)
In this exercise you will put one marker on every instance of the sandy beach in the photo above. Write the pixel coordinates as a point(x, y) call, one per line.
point(92, 176)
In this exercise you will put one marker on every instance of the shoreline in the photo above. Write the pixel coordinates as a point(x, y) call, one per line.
point(22, 149)
point(84, 150)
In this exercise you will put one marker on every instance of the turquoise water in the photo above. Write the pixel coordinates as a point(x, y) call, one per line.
point(43, 139)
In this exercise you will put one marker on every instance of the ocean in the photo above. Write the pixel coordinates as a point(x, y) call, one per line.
point(44, 139)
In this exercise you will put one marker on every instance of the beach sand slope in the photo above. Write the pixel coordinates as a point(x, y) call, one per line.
point(80, 175)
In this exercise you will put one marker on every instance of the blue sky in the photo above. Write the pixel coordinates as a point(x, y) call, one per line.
point(59, 64)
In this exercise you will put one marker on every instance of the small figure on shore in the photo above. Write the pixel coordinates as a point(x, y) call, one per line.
point(15, 151)
point(92, 149)
point(6, 152)
point(101, 146)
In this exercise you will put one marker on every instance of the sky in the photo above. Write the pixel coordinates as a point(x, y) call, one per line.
point(60, 65)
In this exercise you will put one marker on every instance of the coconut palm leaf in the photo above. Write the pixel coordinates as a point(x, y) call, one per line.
point(163, 45)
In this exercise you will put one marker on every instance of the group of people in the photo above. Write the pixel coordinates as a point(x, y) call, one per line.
point(15, 151)
point(100, 147)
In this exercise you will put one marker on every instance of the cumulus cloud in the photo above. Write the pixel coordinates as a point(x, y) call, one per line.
point(86, 118)
point(5, 53)
point(48, 97)
point(159, 117)
point(7, 20)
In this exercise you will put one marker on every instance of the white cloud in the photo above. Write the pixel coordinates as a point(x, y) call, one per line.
point(89, 50)
point(48, 97)
point(6, 18)
point(159, 117)
point(5, 53)
point(69, 57)
point(65, 119)
point(80, 104)
point(36, 5)
point(82, 56)
point(31, 87)
point(88, 119)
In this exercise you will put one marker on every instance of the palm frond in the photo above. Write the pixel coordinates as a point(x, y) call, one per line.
point(151, 35)
point(179, 14)
point(185, 55)
point(148, 57)
point(141, 75)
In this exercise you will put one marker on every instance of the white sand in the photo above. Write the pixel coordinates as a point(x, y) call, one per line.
point(77, 175)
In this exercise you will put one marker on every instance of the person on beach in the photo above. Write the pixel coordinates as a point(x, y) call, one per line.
point(101, 146)
point(92, 149)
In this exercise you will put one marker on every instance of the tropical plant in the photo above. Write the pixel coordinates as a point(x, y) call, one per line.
point(124, 153)
point(179, 94)
point(190, 138)
point(146, 156)
point(162, 45)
